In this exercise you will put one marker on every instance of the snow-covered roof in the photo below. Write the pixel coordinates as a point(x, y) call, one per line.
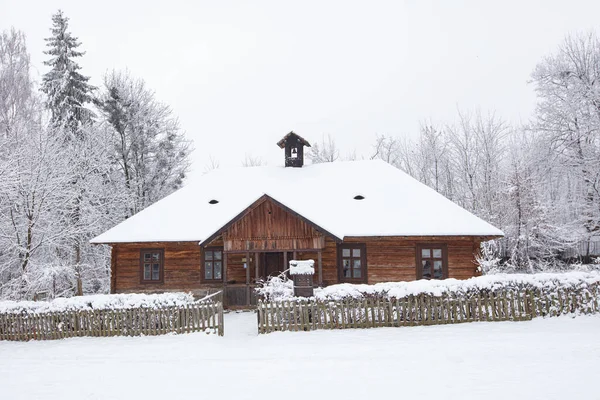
point(302, 267)
point(393, 204)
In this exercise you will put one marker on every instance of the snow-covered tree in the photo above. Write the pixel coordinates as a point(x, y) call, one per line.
point(527, 218)
point(387, 148)
point(324, 151)
point(17, 101)
point(148, 146)
point(431, 160)
point(64, 182)
point(568, 117)
point(31, 201)
point(68, 92)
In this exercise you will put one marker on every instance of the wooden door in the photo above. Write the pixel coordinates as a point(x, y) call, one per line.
point(273, 264)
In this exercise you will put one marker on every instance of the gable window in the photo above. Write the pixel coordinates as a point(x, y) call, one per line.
point(432, 261)
point(352, 262)
point(152, 265)
point(213, 264)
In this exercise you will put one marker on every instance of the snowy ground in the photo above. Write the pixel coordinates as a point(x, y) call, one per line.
point(557, 358)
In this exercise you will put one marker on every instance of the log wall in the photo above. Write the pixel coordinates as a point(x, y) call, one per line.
point(181, 267)
point(394, 258)
point(388, 259)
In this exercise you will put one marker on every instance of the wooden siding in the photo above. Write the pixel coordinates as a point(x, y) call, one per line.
point(394, 258)
point(181, 267)
point(267, 226)
point(388, 259)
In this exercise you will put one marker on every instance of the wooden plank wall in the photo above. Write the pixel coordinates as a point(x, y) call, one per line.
point(388, 259)
point(181, 270)
point(267, 226)
point(394, 258)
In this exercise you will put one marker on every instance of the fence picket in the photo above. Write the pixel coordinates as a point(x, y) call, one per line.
point(294, 317)
point(268, 316)
point(260, 313)
point(3, 328)
point(284, 317)
point(300, 311)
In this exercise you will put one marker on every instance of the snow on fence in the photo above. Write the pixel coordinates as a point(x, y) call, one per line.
point(133, 321)
point(509, 304)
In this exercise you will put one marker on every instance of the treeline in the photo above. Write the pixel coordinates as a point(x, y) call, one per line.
point(539, 182)
point(74, 160)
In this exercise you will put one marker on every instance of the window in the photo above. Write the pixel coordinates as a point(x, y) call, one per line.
point(432, 261)
point(352, 261)
point(213, 264)
point(151, 263)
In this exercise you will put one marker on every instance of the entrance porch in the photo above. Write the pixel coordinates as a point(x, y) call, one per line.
point(242, 271)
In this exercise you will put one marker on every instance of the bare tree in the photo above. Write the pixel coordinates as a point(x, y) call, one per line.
point(386, 148)
point(324, 151)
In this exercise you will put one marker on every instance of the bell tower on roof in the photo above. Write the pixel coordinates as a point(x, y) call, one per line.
point(294, 149)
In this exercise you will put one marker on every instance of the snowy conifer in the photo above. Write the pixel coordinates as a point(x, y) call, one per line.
point(67, 90)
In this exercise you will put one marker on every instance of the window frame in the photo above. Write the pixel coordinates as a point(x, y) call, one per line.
point(363, 262)
point(419, 259)
point(161, 270)
point(203, 272)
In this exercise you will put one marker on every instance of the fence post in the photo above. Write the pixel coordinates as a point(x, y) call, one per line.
point(2, 326)
point(258, 315)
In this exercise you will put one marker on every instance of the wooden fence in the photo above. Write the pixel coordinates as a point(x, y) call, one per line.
point(504, 305)
point(193, 317)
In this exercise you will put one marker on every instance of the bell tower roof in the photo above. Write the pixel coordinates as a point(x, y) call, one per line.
point(292, 136)
point(294, 149)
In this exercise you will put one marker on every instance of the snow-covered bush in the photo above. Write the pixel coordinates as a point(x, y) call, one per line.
point(276, 288)
point(488, 259)
point(96, 302)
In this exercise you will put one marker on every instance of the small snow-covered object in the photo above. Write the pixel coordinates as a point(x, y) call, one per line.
point(302, 267)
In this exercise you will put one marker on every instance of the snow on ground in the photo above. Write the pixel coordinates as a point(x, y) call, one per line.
point(555, 358)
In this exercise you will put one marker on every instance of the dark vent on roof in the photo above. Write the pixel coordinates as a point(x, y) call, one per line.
point(359, 197)
point(213, 201)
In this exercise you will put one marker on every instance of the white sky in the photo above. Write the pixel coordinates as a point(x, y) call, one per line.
point(241, 74)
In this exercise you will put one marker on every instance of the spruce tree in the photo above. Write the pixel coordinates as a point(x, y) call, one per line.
point(68, 92)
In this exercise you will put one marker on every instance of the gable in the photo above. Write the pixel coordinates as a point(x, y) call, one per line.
point(269, 225)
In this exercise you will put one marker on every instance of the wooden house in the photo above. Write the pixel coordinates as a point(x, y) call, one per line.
point(361, 221)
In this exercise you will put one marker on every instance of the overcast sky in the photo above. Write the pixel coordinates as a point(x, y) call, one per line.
point(241, 74)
